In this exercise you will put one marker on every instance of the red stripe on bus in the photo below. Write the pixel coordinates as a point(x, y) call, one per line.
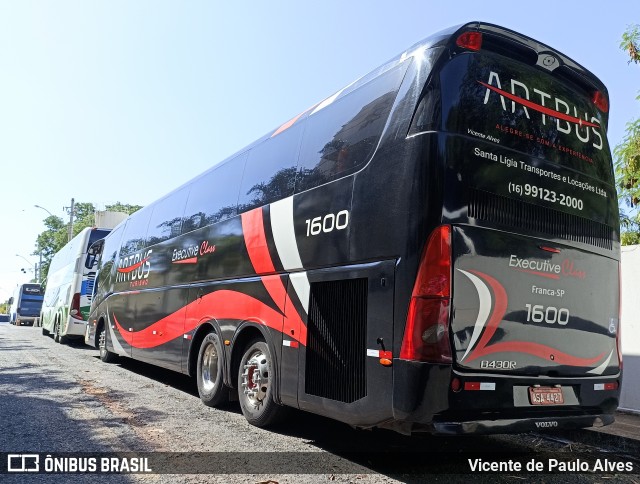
point(537, 107)
point(543, 352)
point(541, 274)
point(499, 310)
point(225, 304)
point(217, 305)
point(133, 267)
point(193, 260)
point(287, 125)
point(256, 242)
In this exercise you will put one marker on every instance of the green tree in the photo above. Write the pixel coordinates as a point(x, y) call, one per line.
point(123, 207)
point(627, 155)
point(56, 235)
point(49, 242)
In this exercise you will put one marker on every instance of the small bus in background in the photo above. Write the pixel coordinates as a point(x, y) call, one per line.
point(67, 297)
point(25, 304)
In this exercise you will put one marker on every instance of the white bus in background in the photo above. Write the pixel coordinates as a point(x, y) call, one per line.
point(69, 287)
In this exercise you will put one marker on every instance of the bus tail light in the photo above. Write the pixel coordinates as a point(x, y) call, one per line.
point(426, 334)
point(75, 306)
point(601, 101)
point(470, 41)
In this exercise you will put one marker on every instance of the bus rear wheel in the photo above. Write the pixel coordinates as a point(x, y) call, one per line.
point(105, 355)
point(211, 388)
point(57, 337)
point(255, 386)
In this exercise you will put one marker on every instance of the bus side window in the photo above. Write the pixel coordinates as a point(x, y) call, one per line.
point(213, 196)
point(166, 219)
point(340, 138)
point(271, 170)
point(135, 233)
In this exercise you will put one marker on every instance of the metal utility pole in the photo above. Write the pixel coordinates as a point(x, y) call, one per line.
point(39, 276)
point(71, 209)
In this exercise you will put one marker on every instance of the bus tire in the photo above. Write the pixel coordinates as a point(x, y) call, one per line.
point(209, 377)
point(57, 337)
point(255, 386)
point(105, 355)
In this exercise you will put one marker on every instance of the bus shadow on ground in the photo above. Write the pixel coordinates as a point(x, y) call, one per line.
point(407, 458)
point(362, 451)
point(176, 380)
point(167, 377)
point(450, 458)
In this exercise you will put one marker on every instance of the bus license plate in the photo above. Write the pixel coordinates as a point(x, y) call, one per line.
point(546, 396)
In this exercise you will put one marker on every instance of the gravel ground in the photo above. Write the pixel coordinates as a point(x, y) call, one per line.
point(60, 398)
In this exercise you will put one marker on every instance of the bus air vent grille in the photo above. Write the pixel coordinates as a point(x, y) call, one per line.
point(336, 340)
point(535, 218)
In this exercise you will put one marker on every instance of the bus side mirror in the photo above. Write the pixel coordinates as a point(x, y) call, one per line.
point(10, 301)
point(90, 261)
point(93, 254)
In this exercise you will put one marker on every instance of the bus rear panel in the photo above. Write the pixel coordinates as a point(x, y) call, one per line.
point(529, 320)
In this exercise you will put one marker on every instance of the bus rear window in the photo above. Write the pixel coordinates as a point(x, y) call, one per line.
point(505, 102)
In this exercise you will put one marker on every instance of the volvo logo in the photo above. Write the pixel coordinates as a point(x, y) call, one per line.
point(546, 425)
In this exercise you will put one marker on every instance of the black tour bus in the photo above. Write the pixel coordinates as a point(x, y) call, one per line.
point(433, 248)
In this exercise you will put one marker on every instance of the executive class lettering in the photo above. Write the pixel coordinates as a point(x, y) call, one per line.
point(542, 267)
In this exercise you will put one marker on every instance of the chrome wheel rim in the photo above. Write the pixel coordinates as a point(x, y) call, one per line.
point(209, 367)
point(255, 378)
point(102, 343)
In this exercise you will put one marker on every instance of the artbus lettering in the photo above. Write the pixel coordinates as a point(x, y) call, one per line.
point(434, 248)
point(134, 267)
point(561, 111)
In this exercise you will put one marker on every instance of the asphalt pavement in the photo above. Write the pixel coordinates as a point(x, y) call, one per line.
point(626, 426)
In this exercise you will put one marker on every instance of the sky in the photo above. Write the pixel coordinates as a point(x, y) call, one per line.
point(120, 100)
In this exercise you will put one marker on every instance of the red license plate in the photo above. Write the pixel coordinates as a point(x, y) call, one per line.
point(545, 396)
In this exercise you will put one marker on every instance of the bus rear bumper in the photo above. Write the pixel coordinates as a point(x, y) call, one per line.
point(511, 426)
point(25, 321)
point(75, 327)
point(424, 401)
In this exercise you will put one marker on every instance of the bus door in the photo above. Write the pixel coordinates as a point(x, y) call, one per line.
point(346, 360)
point(294, 336)
point(120, 315)
point(158, 328)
